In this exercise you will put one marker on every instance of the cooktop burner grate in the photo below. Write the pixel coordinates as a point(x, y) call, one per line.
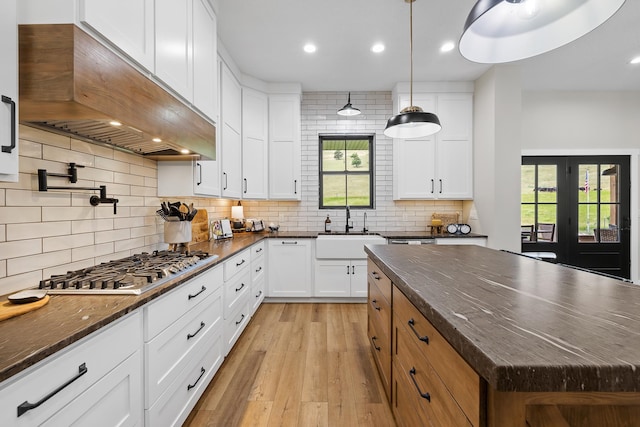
point(131, 275)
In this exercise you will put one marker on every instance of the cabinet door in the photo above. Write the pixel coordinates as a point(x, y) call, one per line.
point(231, 141)
point(206, 178)
point(289, 268)
point(205, 88)
point(9, 92)
point(254, 144)
point(284, 147)
point(359, 286)
point(414, 169)
point(333, 278)
point(128, 24)
point(454, 152)
point(174, 45)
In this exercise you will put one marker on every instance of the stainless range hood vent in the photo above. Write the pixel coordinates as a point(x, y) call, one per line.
point(73, 85)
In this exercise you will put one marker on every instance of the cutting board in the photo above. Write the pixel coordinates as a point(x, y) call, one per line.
point(9, 309)
point(200, 227)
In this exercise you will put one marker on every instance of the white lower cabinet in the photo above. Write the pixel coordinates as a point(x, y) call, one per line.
point(183, 347)
point(290, 270)
point(258, 269)
point(237, 303)
point(341, 278)
point(97, 382)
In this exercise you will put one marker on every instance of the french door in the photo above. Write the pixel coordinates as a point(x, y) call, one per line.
point(579, 209)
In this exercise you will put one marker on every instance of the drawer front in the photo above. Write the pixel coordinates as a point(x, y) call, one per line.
point(381, 349)
point(257, 250)
point(166, 354)
point(99, 353)
point(258, 268)
point(235, 290)
point(379, 308)
point(164, 311)
point(175, 404)
point(236, 263)
point(460, 379)
point(406, 406)
point(379, 278)
point(236, 323)
point(441, 408)
point(257, 295)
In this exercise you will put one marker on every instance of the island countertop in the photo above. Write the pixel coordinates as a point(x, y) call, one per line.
point(524, 325)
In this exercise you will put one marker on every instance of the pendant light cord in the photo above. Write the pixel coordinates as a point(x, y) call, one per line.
point(411, 51)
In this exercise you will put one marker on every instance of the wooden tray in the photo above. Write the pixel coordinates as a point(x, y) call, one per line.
point(9, 309)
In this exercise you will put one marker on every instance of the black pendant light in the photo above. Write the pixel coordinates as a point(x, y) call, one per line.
point(500, 31)
point(348, 109)
point(412, 122)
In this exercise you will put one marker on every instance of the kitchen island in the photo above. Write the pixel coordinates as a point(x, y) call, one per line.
point(550, 345)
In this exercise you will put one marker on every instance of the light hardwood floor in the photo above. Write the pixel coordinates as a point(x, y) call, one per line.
point(298, 365)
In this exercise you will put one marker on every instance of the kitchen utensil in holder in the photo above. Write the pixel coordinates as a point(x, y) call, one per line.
point(177, 233)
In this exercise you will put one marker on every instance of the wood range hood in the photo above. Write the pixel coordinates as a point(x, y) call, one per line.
point(72, 84)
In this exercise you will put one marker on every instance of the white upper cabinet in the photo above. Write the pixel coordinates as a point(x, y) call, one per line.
point(188, 178)
point(284, 147)
point(174, 45)
point(128, 24)
point(9, 92)
point(439, 166)
point(254, 144)
point(230, 134)
point(205, 47)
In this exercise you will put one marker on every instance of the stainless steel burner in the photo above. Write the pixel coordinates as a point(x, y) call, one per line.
point(132, 275)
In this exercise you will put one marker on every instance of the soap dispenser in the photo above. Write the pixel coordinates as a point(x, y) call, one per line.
point(327, 225)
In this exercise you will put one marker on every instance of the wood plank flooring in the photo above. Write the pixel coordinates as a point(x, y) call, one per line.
point(298, 365)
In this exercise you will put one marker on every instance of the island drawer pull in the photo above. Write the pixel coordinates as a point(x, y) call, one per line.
point(412, 373)
point(375, 275)
point(373, 303)
point(238, 264)
point(189, 336)
point(190, 386)
point(26, 406)
point(240, 321)
point(240, 288)
point(197, 293)
point(373, 341)
point(425, 338)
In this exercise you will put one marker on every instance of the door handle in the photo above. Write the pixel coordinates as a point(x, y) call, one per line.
point(226, 180)
point(199, 173)
point(26, 406)
point(245, 185)
point(432, 188)
point(440, 186)
point(11, 102)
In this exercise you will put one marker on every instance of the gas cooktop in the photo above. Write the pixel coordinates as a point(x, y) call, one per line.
point(132, 275)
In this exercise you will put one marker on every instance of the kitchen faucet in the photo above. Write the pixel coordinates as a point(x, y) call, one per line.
point(347, 227)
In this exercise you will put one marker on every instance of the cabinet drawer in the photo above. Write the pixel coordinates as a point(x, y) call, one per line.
point(234, 292)
point(441, 408)
point(257, 250)
point(164, 311)
point(379, 278)
point(236, 322)
point(405, 403)
point(459, 378)
point(381, 349)
point(236, 263)
point(175, 404)
point(257, 295)
point(166, 354)
point(99, 353)
point(379, 308)
point(257, 268)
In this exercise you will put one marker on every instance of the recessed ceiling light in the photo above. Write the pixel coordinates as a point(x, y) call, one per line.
point(635, 60)
point(377, 48)
point(115, 123)
point(156, 140)
point(184, 151)
point(447, 47)
point(309, 48)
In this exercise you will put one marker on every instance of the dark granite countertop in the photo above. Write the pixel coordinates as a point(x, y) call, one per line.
point(523, 324)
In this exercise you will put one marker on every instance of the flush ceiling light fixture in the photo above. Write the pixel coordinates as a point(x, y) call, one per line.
point(348, 110)
point(412, 122)
point(498, 31)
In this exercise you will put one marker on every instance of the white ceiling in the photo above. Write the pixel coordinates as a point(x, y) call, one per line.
point(265, 39)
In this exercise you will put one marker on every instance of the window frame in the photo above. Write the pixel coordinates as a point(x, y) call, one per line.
point(371, 172)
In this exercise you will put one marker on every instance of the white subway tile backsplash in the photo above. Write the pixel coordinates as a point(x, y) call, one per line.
point(50, 244)
point(90, 225)
point(25, 264)
point(89, 148)
point(69, 266)
point(112, 235)
point(37, 198)
point(16, 215)
point(136, 243)
point(38, 230)
point(63, 155)
point(20, 248)
point(78, 254)
point(68, 213)
point(30, 149)
point(37, 135)
point(18, 282)
point(112, 165)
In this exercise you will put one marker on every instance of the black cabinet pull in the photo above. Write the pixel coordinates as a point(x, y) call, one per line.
point(26, 406)
point(440, 186)
point(259, 294)
point(258, 250)
point(226, 180)
point(284, 242)
point(238, 264)
point(347, 269)
point(373, 303)
point(353, 269)
point(241, 286)
point(245, 185)
point(432, 189)
point(189, 336)
point(411, 324)
point(259, 269)
point(240, 321)
point(375, 275)
point(9, 148)
point(190, 386)
point(197, 293)
point(412, 373)
point(199, 173)
point(295, 186)
point(373, 341)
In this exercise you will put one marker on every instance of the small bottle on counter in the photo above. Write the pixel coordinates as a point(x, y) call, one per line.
point(327, 225)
